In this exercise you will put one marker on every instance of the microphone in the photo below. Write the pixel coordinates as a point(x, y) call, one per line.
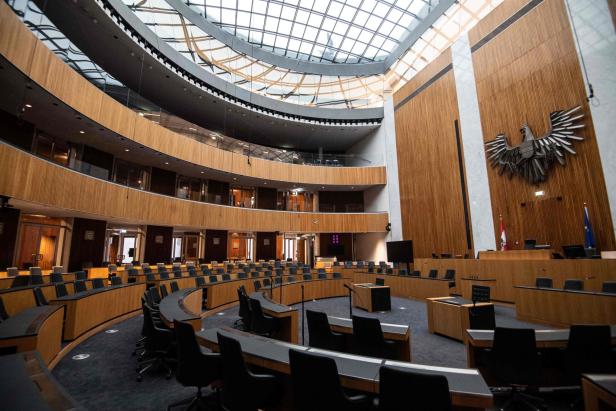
point(348, 287)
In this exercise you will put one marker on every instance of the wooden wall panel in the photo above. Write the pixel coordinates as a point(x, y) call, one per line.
point(45, 183)
point(87, 249)
point(32, 57)
point(9, 222)
point(524, 73)
point(158, 251)
point(428, 168)
point(266, 251)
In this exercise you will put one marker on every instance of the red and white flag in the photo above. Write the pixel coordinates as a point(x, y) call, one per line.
point(503, 237)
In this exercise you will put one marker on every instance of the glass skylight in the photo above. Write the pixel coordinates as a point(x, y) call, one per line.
point(339, 31)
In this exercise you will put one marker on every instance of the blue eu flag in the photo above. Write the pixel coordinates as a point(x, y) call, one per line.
point(589, 236)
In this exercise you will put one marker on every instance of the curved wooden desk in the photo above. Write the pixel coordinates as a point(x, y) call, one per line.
point(467, 387)
point(36, 328)
point(26, 384)
point(89, 309)
point(183, 305)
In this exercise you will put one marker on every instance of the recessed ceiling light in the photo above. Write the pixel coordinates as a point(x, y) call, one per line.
point(266, 152)
point(202, 172)
point(539, 193)
point(265, 182)
point(81, 132)
point(29, 105)
point(234, 178)
point(213, 137)
point(127, 150)
point(166, 162)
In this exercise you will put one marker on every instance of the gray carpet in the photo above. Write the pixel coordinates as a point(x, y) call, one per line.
point(106, 379)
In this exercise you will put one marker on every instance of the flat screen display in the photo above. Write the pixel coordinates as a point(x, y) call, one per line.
point(400, 251)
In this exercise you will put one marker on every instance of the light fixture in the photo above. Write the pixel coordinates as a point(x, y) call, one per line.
point(213, 137)
point(127, 150)
point(539, 193)
point(81, 132)
point(202, 172)
point(29, 105)
point(166, 162)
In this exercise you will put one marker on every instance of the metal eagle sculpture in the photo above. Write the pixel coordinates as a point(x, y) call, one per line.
point(534, 156)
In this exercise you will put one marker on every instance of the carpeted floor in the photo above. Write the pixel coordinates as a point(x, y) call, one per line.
point(106, 379)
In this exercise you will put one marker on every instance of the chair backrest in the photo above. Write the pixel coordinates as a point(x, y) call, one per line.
point(514, 358)
point(154, 294)
point(416, 273)
point(403, 272)
point(12, 271)
point(220, 271)
point(112, 268)
point(589, 350)
point(306, 270)
point(293, 270)
point(450, 274)
point(39, 297)
point(199, 282)
point(163, 290)
point(277, 280)
point(379, 281)
point(97, 283)
point(307, 277)
point(226, 277)
point(20, 281)
point(235, 375)
point(192, 272)
point(360, 264)
point(177, 273)
point(291, 279)
point(319, 331)
point(80, 286)
point(56, 278)
point(57, 269)
point(315, 382)
point(3, 314)
point(244, 311)
point(36, 271)
point(278, 272)
point(266, 282)
point(389, 270)
point(320, 270)
point(433, 273)
point(543, 282)
point(321, 276)
point(163, 275)
point(609, 287)
point(574, 285)
point(36, 279)
point(482, 317)
point(254, 274)
point(257, 284)
point(150, 277)
point(174, 286)
point(367, 336)
point(61, 290)
point(213, 279)
point(115, 280)
point(241, 275)
point(337, 275)
point(190, 368)
point(426, 391)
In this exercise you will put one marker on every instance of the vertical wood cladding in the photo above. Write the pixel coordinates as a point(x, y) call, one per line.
point(527, 71)
point(158, 244)
point(215, 245)
point(431, 195)
point(9, 222)
point(266, 251)
point(87, 243)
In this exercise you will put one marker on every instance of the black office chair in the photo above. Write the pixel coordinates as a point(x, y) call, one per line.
point(291, 279)
point(589, 351)
point(425, 391)
point(159, 345)
point(257, 284)
point(389, 270)
point(39, 297)
point(226, 277)
point(415, 273)
point(194, 368)
point(514, 362)
point(259, 322)
point(241, 275)
point(306, 277)
point(254, 274)
point(306, 270)
point(609, 287)
point(293, 270)
point(244, 390)
point(3, 314)
point(20, 281)
point(80, 286)
point(61, 290)
point(543, 282)
point(150, 278)
point(213, 279)
point(403, 272)
point(266, 282)
point(337, 276)
point(81, 275)
point(368, 339)
point(192, 272)
point(482, 318)
point(56, 278)
point(199, 282)
point(316, 385)
point(574, 285)
point(163, 275)
point(36, 279)
point(379, 281)
point(277, 280)
point(98, 283)
point(163, 290)
point(155, 296)
point(177, 273)
point(320, 334)
point(450, 274)
point(244, 309)
point(174, 286)
point(433, 274)
point(322, 276)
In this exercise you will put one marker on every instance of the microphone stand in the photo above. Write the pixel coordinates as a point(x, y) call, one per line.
point(280, 285)
point(350, 300)
point(302, 314)
point(272, 290)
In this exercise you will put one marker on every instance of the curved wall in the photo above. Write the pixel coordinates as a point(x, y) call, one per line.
point(29, 178)
point(20, 47)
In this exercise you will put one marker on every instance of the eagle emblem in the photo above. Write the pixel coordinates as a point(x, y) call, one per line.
point(533, 158)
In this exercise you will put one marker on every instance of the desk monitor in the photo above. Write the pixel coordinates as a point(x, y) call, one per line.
point(574, 251)
point(480, 294)
point(400, 251)
point(530, 244)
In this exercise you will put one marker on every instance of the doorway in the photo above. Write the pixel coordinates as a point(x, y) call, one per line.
point(39, 244)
